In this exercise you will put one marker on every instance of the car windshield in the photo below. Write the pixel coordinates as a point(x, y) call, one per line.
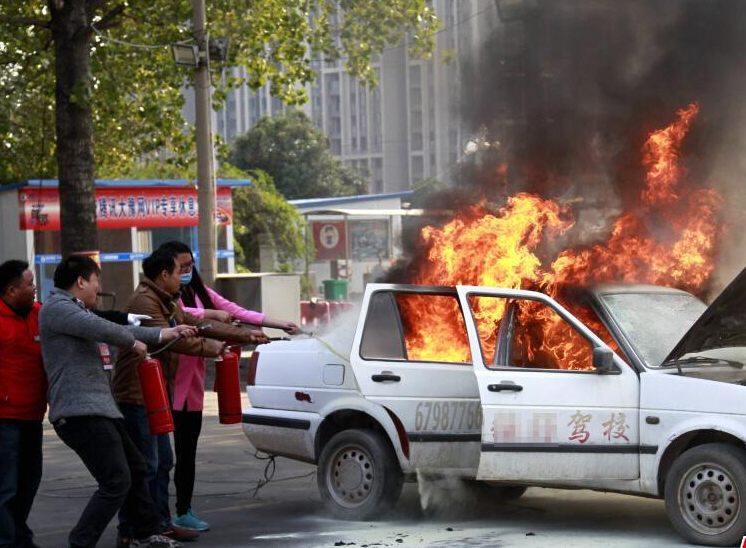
point(654, 322)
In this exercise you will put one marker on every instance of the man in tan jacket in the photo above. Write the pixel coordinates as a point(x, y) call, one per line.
point(157, 296)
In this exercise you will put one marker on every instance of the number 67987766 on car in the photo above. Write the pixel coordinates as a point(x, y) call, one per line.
point(645, 395)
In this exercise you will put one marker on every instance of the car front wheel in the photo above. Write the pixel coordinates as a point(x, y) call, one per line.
point(705, 494)
point(358, 475)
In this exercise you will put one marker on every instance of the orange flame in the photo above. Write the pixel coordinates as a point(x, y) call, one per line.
point(668, 240)
point(661, 155)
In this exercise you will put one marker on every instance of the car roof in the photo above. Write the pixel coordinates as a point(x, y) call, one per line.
point(609, 288)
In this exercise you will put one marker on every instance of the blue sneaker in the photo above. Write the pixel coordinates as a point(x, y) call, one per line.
point(190, 521)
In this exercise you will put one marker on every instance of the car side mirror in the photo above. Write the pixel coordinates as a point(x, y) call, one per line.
point(603, 359)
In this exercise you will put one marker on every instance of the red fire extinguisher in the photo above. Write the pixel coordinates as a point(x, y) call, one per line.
point(236, 349)
point(228, 387)
point(154, 396)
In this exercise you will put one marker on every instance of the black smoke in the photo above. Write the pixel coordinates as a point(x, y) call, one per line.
point(573, 88)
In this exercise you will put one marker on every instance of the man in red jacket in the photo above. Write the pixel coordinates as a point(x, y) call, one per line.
point(23, 388)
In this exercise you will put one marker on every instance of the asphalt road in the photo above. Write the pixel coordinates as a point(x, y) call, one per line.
point(287, 512)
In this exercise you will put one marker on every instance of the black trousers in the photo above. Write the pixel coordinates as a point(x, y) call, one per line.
point(20, 474)
point(115, 463)
point(187, 426)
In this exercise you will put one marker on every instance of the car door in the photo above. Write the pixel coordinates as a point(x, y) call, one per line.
point(543, 421)
point(434, 397)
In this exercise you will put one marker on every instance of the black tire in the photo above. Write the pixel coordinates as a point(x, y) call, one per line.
point(358, 475)
point(705, 494)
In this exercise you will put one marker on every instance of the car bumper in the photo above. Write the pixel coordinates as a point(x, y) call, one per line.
point(285, 433)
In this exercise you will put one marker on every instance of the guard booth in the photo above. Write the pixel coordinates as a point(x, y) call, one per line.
point(356, 238)
point(134, 217)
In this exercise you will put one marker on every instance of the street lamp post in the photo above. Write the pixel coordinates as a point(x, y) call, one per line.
point(205, 167)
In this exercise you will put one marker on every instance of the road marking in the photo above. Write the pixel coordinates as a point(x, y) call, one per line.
point(301, 534)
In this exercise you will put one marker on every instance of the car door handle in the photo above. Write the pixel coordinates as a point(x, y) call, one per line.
point(504, 387)
point(386, 377)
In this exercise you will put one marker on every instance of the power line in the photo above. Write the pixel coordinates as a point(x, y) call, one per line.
point(132, 44)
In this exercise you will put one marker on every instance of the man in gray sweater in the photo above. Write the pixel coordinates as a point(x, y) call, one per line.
point(81, 407)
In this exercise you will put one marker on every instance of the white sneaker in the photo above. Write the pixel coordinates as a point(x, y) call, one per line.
point(155, 541)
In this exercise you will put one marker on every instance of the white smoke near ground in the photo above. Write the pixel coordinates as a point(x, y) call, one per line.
point(448, 496)
point(442, 494)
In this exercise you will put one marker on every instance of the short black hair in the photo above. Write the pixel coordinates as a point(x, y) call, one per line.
point(161, 259)
point(177, 246)
point(73, 267)
point(195, 287)
point(11, 272)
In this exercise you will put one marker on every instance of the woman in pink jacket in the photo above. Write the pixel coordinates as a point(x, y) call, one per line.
point(189, 384)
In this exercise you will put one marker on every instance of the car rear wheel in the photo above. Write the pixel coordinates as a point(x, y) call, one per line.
point(706, 494)
point(358, 475)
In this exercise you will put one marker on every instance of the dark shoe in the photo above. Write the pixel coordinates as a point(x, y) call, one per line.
point(124, 542)
point(180, 534)
point(155, 541)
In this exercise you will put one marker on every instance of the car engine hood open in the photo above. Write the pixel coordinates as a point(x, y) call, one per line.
point(722, 325)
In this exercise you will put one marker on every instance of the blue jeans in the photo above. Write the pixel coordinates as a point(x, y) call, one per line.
point(20, 475)
point(156, 450)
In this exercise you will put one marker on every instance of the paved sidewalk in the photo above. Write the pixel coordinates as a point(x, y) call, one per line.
point(287, 512)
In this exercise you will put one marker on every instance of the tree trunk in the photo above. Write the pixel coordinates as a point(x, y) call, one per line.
point(75, 164)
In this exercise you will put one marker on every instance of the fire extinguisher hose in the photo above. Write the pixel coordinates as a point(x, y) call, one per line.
point(330, 347)
point(308, 333)
point(164, 347)
point(173, 342)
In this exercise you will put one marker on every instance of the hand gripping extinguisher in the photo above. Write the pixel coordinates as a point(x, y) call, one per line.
point(154, 396)
point(228, 386)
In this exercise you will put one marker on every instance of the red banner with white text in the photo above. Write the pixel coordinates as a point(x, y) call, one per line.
point(125, 207)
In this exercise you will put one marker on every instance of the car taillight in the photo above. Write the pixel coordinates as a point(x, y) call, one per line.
point(253, 362)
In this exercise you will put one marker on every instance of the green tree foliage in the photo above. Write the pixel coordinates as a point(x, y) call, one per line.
point(260, 213)
point(68, 73)
point(136, 93)
point(296, 154)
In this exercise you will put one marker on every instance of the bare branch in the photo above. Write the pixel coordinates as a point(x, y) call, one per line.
point(108, 25)
point(95, 5)
point(108, 19)
point(26, 21)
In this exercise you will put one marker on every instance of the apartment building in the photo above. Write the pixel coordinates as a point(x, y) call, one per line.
point(406, 129)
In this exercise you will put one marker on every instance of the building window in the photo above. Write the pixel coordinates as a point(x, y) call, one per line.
point(416, 140)
point(417, 169)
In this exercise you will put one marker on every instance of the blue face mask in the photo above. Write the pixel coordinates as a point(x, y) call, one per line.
point(186, 278)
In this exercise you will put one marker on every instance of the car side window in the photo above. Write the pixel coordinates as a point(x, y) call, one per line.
point(420, 327)
point(383, 335)
point(528, 334)
point(542, 339)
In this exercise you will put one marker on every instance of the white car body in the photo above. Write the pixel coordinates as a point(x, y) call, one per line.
point(497, 424)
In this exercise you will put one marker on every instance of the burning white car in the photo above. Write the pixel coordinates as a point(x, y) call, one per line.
point(509, 387)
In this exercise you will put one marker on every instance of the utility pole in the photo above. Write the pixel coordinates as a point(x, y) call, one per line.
point(205, 167)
